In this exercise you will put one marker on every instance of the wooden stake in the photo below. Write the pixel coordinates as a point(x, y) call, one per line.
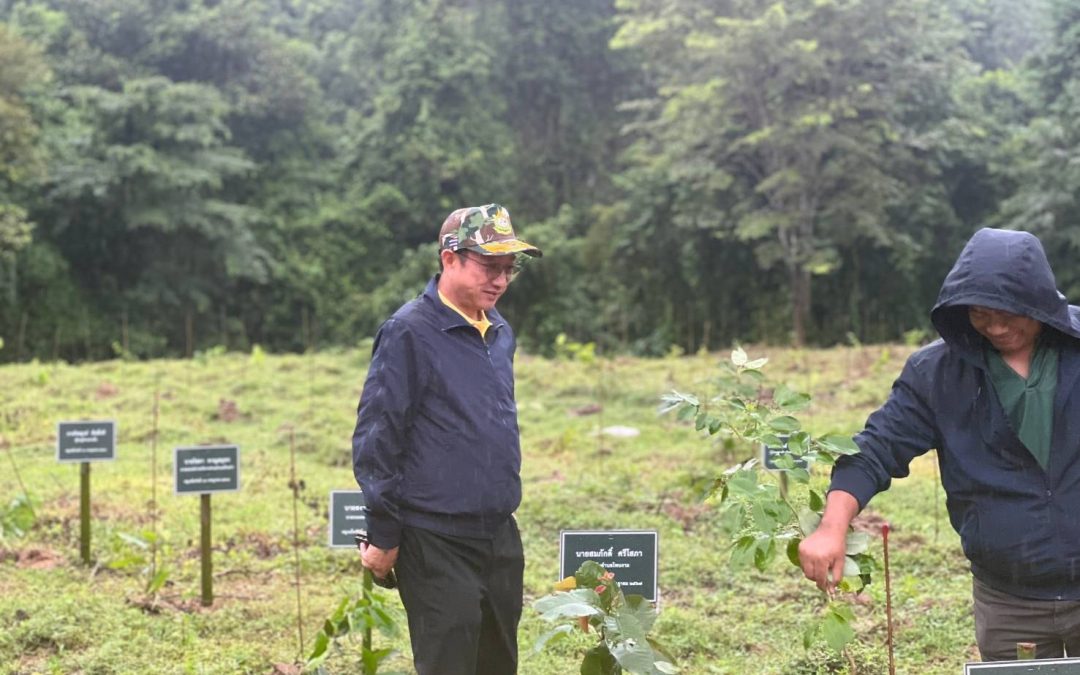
point(204, 548)
point(84, 512)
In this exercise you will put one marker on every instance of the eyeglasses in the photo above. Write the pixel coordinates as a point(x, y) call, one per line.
point(495, 270)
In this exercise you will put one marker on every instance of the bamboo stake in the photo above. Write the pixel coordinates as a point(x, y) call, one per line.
point(888, 601)
point(296, 537)
point(153, 485)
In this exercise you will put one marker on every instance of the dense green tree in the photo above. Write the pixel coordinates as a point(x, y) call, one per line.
point(21, 68)
point(1046, 164)
point(789, 122)
point(273, 171)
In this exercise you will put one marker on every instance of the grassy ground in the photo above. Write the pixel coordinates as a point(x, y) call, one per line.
point(58, 616)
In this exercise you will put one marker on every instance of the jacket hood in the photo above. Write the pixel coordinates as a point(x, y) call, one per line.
point(1005, 270)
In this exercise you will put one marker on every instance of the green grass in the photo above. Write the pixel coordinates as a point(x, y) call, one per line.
point(69, 618)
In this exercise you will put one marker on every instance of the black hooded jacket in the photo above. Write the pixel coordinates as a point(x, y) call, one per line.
point(1019, 525)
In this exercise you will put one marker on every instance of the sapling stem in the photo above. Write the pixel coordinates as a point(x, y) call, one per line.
point(888, 601)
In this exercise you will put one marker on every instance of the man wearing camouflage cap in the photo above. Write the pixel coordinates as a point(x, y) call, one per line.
point(437, 455)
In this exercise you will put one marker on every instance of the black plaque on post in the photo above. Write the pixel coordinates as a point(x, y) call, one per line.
point(203, 470)
point(206, 468)
point(348, 517)
point(1029, 667)
point(770, 453)
point(86, 441)
point(631, 555)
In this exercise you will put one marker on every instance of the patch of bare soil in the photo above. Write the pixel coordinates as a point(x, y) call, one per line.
point(686, 515)
point(34, 558)
point(160, 604)
point(229, 412)
point(106, 390)
point(590, 409)
point(870, 523)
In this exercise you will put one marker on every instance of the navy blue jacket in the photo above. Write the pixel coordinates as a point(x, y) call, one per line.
point(1019, 525)
point(436, 441)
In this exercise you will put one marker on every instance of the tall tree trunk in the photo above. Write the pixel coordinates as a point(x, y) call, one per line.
point(800, 301)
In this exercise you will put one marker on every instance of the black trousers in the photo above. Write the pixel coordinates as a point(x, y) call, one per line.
point(1002, 620)
point(463, 599)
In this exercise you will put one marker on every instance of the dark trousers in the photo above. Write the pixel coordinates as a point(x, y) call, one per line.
point(463, 599)
point(1002, 620)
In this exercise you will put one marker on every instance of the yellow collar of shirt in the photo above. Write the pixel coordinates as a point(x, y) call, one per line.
point(482, 325)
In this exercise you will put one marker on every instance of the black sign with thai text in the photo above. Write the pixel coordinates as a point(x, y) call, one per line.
point(206, 468)
point(631, 555)
point(348, 517)
point(86, 441)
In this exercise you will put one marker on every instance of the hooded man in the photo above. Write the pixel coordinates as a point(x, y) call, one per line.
point(997, 397)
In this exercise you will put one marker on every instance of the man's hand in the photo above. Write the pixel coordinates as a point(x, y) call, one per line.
point(379, 561)
point(821, 555)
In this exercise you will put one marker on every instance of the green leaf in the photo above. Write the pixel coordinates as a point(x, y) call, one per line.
point(784, 424)
point(793, 550)
point(772, 441)
point(756, 364)
point(642, 611)
point(373, 657)
point(851, 567)
point(799, 475)
point(797, 442)
point(322, 643)
point(579, 602)
point(841, 445)
point(816, 501)
point(837, 631)
point(598, 661)
point(556, 634)
point(809, 521)
point(738, 357)
point(856, 542)
point(743, 483)
point(764, 553)
point(790, 401)
point(155, 584)
point(633, 655)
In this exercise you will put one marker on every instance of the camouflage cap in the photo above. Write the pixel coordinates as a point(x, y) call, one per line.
point(483, 229)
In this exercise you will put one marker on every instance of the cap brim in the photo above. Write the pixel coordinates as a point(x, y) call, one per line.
point(506, 247)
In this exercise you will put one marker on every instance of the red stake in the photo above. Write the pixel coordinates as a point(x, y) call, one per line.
point(888, 601)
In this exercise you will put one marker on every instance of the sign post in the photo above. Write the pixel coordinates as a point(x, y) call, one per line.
point(203, 470)
point(85, 442)
point(348, 518)
point(631, 555)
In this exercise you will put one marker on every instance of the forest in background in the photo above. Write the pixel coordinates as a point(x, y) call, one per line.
point(183, 175)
